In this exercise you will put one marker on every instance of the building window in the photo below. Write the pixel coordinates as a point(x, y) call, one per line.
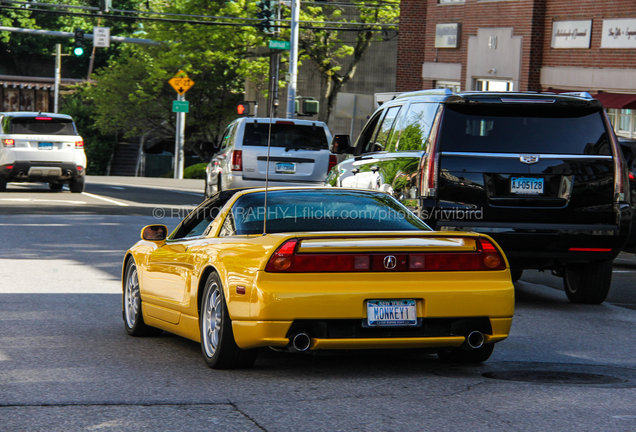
point(623, 121)
point(453, 86)
point(493, 85)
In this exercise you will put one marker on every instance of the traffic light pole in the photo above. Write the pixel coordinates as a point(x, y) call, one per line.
point(58, 75)
point(293, 59)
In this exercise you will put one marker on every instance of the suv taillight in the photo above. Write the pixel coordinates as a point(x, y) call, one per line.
point(79, 144)
point(237, 160)
point(8, 142)
point(333, 161)
point(428, 185)
point(621, 191)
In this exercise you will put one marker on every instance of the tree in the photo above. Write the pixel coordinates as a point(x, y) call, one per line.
point(132, 95)
point(335, 55)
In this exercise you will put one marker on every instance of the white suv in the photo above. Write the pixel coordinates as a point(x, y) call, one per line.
point(41, 147)
point(299, 154)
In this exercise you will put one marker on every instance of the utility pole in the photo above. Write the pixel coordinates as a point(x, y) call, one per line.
point(58, 74)
point(293, 59)
point(179, 154)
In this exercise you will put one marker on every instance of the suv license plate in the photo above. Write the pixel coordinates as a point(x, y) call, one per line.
point(285, 168)
point(526, 185)
point(45, 146)
point(387, 313)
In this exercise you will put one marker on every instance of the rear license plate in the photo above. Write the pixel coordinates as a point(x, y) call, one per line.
point(526, 185)
point(285, 168)
point(385, 313)
point(45, 146)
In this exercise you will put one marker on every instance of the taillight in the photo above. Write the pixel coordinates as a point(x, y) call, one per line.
point(79, 144)
point(80, 169)
point(237, 160)
point(428, 184)
point(287, 260)
point(8, 142)
point(621, 192)
point(43, 118)
point(631, 176)
point(333, 161)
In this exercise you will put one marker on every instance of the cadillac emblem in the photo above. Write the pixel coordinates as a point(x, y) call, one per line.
point(529, 159)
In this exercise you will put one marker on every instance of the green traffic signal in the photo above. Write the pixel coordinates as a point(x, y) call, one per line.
point(79, 42)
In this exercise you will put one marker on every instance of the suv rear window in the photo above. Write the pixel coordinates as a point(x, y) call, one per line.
point(286, 135)
point(41, 125)
point(524, 129)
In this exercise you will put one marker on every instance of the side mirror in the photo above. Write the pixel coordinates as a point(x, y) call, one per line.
point(154, 233)
point(341, 144)
point(210, 146)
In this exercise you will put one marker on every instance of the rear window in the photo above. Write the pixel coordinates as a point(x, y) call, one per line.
point(286, 135)
point(307, 211)
point(523, 129)
point(41, 125)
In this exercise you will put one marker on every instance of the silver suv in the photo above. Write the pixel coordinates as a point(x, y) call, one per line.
point(41, 147)
point(299, 154)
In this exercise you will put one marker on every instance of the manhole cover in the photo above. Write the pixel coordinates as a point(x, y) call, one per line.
point(553, 377)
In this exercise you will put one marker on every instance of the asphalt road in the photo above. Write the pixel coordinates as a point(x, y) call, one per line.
point(67, 364)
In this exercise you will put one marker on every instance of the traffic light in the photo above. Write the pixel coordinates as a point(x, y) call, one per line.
point(266, 14)
point(105, 5)
point(78, 48)
point(243, 108)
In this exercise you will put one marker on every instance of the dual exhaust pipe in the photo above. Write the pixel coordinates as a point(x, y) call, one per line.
point(302, 341)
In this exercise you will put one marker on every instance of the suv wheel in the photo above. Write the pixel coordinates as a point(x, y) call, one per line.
point(588, 283)
point(3, 184)
point(77, 185)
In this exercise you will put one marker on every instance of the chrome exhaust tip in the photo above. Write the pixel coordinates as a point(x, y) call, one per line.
point(301, 342)
point(475, 339)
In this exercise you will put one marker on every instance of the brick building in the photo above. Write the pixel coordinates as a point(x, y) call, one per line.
point(523, 45)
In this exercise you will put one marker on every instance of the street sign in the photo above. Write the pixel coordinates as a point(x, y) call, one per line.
point(101, 37)
point(281, 45)
point(181, 83)
point(180, 106)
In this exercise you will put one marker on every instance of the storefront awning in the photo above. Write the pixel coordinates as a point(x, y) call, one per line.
point(617, 100)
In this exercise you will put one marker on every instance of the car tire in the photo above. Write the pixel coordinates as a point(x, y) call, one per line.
point(55, 186)
point(217, 338)
point(206, 191)
point(588, 283)
point(77, 185)
point(461, 355)
point(3, 184)
point(219, 186)
point(131, 310)
point(516, 274)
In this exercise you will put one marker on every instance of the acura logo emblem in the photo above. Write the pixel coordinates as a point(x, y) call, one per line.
point(529, 159)
point(390, 262)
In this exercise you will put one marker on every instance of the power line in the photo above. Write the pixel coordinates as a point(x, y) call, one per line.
point(209, 23)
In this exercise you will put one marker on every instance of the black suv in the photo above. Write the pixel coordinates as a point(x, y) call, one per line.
point(541, 173)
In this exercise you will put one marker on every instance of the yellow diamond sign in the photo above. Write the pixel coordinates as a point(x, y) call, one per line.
point(181, 83)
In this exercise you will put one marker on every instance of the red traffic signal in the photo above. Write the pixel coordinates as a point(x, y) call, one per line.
point(243, 108)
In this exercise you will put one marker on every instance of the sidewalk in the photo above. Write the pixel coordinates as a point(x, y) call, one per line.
point(190, 185)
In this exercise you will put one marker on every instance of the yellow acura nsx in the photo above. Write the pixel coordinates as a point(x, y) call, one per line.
point(327, 269)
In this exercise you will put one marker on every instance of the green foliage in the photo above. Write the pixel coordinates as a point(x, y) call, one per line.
point(196, 171)
point(98, 147)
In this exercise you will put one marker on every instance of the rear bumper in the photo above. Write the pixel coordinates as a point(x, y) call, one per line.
point(233, 181)
point(550, 246)
point(332, 309)
point(26, 171)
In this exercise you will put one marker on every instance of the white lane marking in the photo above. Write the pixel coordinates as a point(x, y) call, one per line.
point(36, 225)
point(622, 271)
point(148, 186)
point(106, 199)
point(117, 187)
point(102, 251)
point(42, 200)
